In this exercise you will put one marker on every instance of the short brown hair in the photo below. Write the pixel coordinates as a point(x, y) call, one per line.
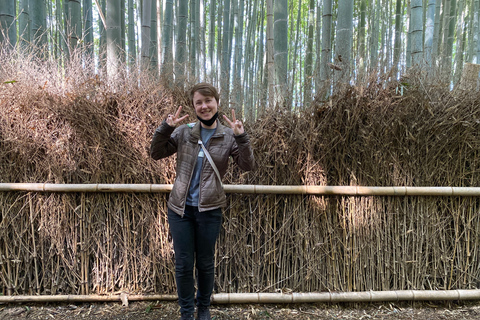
point(205, 89)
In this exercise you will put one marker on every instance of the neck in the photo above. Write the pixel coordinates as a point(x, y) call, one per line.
point(209, 124)
point(213, 126)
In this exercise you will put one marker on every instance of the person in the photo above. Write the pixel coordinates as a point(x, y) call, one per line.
point(197, 197)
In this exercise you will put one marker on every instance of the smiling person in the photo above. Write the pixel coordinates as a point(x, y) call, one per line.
point(197, 198)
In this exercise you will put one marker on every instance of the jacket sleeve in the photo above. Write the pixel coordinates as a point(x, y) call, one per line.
point(242, 152)
point(164, 142)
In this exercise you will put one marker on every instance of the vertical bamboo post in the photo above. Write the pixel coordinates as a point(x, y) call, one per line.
point(34, 245)
point(9, 271)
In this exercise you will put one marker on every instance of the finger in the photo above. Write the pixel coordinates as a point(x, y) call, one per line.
point(178, 112)
point(228, 120)
point(234, 120)
point(183, 118)
point(169, 120)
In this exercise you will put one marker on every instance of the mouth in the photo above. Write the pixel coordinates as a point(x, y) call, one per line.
point(205, 115)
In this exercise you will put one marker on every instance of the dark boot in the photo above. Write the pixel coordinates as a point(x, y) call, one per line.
point(187, 316)
point(204, 313)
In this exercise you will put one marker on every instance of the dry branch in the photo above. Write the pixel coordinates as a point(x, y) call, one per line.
point(75, 129)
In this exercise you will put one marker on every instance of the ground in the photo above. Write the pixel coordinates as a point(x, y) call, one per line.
point(169, 311)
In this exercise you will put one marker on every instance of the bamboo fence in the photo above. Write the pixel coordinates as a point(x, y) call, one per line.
point(83, 133)
point(262, 297)
point(103, 243)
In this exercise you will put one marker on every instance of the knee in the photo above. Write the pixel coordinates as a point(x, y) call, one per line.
point(205, 265)
point(184, 265)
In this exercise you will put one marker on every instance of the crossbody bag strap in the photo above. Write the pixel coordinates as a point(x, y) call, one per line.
point(211, 161)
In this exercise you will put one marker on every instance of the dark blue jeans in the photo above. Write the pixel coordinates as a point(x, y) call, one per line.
point(194, 238)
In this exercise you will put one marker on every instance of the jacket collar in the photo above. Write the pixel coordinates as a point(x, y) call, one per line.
point(195, 133)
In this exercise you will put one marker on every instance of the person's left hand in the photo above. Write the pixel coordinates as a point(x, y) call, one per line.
point(236, 125)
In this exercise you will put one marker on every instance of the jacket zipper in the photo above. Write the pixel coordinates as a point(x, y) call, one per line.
point(216, 135)
point(190, 180)
point(201, 173)
point(203, 164)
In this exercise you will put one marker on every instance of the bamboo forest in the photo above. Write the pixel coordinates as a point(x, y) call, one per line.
point(259, 52)
point(350, 94)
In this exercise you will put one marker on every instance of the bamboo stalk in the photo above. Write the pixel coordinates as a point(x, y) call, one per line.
point(82, 298)
point(34, 246)
point(239, 298)
point(252, 189)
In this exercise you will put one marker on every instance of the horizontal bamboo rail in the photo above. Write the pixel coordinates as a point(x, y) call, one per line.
point(251, 189)
point(335, 297)
point(85, 298)
point(240, 298)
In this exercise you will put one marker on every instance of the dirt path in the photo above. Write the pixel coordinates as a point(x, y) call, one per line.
point(169, 311)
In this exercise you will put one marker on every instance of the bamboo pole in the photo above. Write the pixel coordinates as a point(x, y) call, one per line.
point(277, 298)
point(83, 298)
point(251, 189)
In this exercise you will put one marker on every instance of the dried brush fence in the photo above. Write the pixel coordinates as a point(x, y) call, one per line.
point(80, 129)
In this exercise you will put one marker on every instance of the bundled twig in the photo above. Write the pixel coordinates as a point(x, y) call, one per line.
point(81, 129)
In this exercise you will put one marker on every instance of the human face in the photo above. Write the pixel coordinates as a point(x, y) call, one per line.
point(205, 107)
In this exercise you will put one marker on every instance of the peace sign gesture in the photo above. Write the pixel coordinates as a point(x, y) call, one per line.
point(173, 120)
point(236, 125)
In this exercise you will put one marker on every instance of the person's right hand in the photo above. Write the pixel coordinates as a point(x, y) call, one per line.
point(174, 120)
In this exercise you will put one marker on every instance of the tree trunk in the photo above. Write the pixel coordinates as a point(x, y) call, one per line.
point(408, 55)
point(477, 30)
point(24, 23)
point(398, 34)
point(417, 32)
point(292, 68)
point(429, 32)
point(114, 38)
point(88, 28)
point(194, 33)
point(343, 41)
point(181, 44)
point(74, 23)
point(202, 46)
point(436, 36)
point(123, 33)
point(238, 58)
point(448, 34)
point(280, 30)
point(211, 41)
point(132, 50)
point(460, 42)
point(153, 52)
point(218, 62)
point(260, 78)
point(8, 28)
point(325, 70)
point(309, 58)
point(374, 36)
point(361, 39)
point(270, 56)
point(318, 46)
point(251, 64)
point(102, 51)
point(39, 26)
point(225, 65)
point(146, 33)
point(450, 40)
point(167, 66)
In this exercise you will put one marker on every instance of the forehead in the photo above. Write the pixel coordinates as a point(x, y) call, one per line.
point(198, 96)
